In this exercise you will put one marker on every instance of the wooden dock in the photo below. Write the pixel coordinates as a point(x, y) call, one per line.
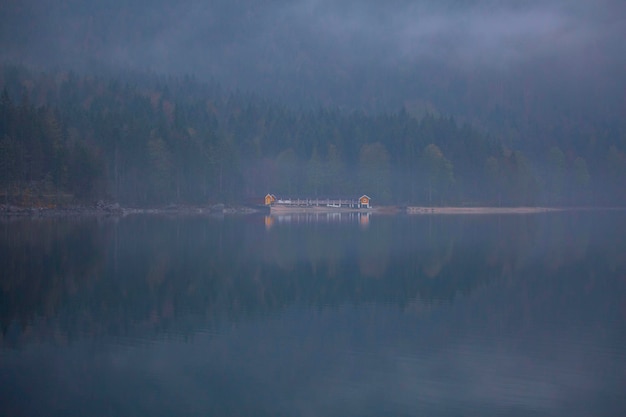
point(317, 205)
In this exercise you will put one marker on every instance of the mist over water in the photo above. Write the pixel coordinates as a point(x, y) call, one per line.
point(314, 315)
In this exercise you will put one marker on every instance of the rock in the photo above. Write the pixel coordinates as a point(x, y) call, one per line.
point(217, 208)
point(108, 207)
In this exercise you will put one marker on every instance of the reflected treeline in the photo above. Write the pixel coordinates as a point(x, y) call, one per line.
point(570, 282)
point(137, 276)
point(43, 263)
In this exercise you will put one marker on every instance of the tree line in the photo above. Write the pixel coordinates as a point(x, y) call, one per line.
point(145, 139)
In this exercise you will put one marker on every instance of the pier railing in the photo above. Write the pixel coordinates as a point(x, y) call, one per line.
point(318, 202)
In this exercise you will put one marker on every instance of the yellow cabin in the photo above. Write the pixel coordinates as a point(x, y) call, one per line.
point(269, 199)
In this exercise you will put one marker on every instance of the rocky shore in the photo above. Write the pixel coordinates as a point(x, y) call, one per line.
point(102, 208)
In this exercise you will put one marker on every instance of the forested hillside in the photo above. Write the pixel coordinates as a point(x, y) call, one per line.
point(144, 139)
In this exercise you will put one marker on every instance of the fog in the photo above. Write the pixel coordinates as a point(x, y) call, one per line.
point(362, 54)
point(534, 75)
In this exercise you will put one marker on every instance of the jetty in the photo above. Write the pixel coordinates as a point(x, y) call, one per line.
point(317, 205)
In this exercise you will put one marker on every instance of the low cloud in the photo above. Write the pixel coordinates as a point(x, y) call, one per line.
point(313, 41)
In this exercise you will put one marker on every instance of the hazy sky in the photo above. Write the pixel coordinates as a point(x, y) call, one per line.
point(311, 44)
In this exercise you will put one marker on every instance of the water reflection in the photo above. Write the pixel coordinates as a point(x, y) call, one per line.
point(432, 315)
point(317, 218)
point(114, 276)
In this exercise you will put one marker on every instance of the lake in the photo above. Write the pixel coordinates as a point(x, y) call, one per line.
point(327, 315)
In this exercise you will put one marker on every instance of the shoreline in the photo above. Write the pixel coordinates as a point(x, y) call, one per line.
point(413, 210)
point(115, 210)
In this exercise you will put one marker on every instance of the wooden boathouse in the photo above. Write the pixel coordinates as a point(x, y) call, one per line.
point(363, 202)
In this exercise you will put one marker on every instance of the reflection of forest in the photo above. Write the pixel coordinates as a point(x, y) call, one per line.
point(152, 275)
point(43, 263)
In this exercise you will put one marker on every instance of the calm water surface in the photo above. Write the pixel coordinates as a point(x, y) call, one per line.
point(517, 315)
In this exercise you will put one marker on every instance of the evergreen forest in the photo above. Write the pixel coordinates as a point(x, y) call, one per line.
point(143, 139)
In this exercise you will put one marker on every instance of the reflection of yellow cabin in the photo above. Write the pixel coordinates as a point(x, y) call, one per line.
point(364, 202)
point(269, 199)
